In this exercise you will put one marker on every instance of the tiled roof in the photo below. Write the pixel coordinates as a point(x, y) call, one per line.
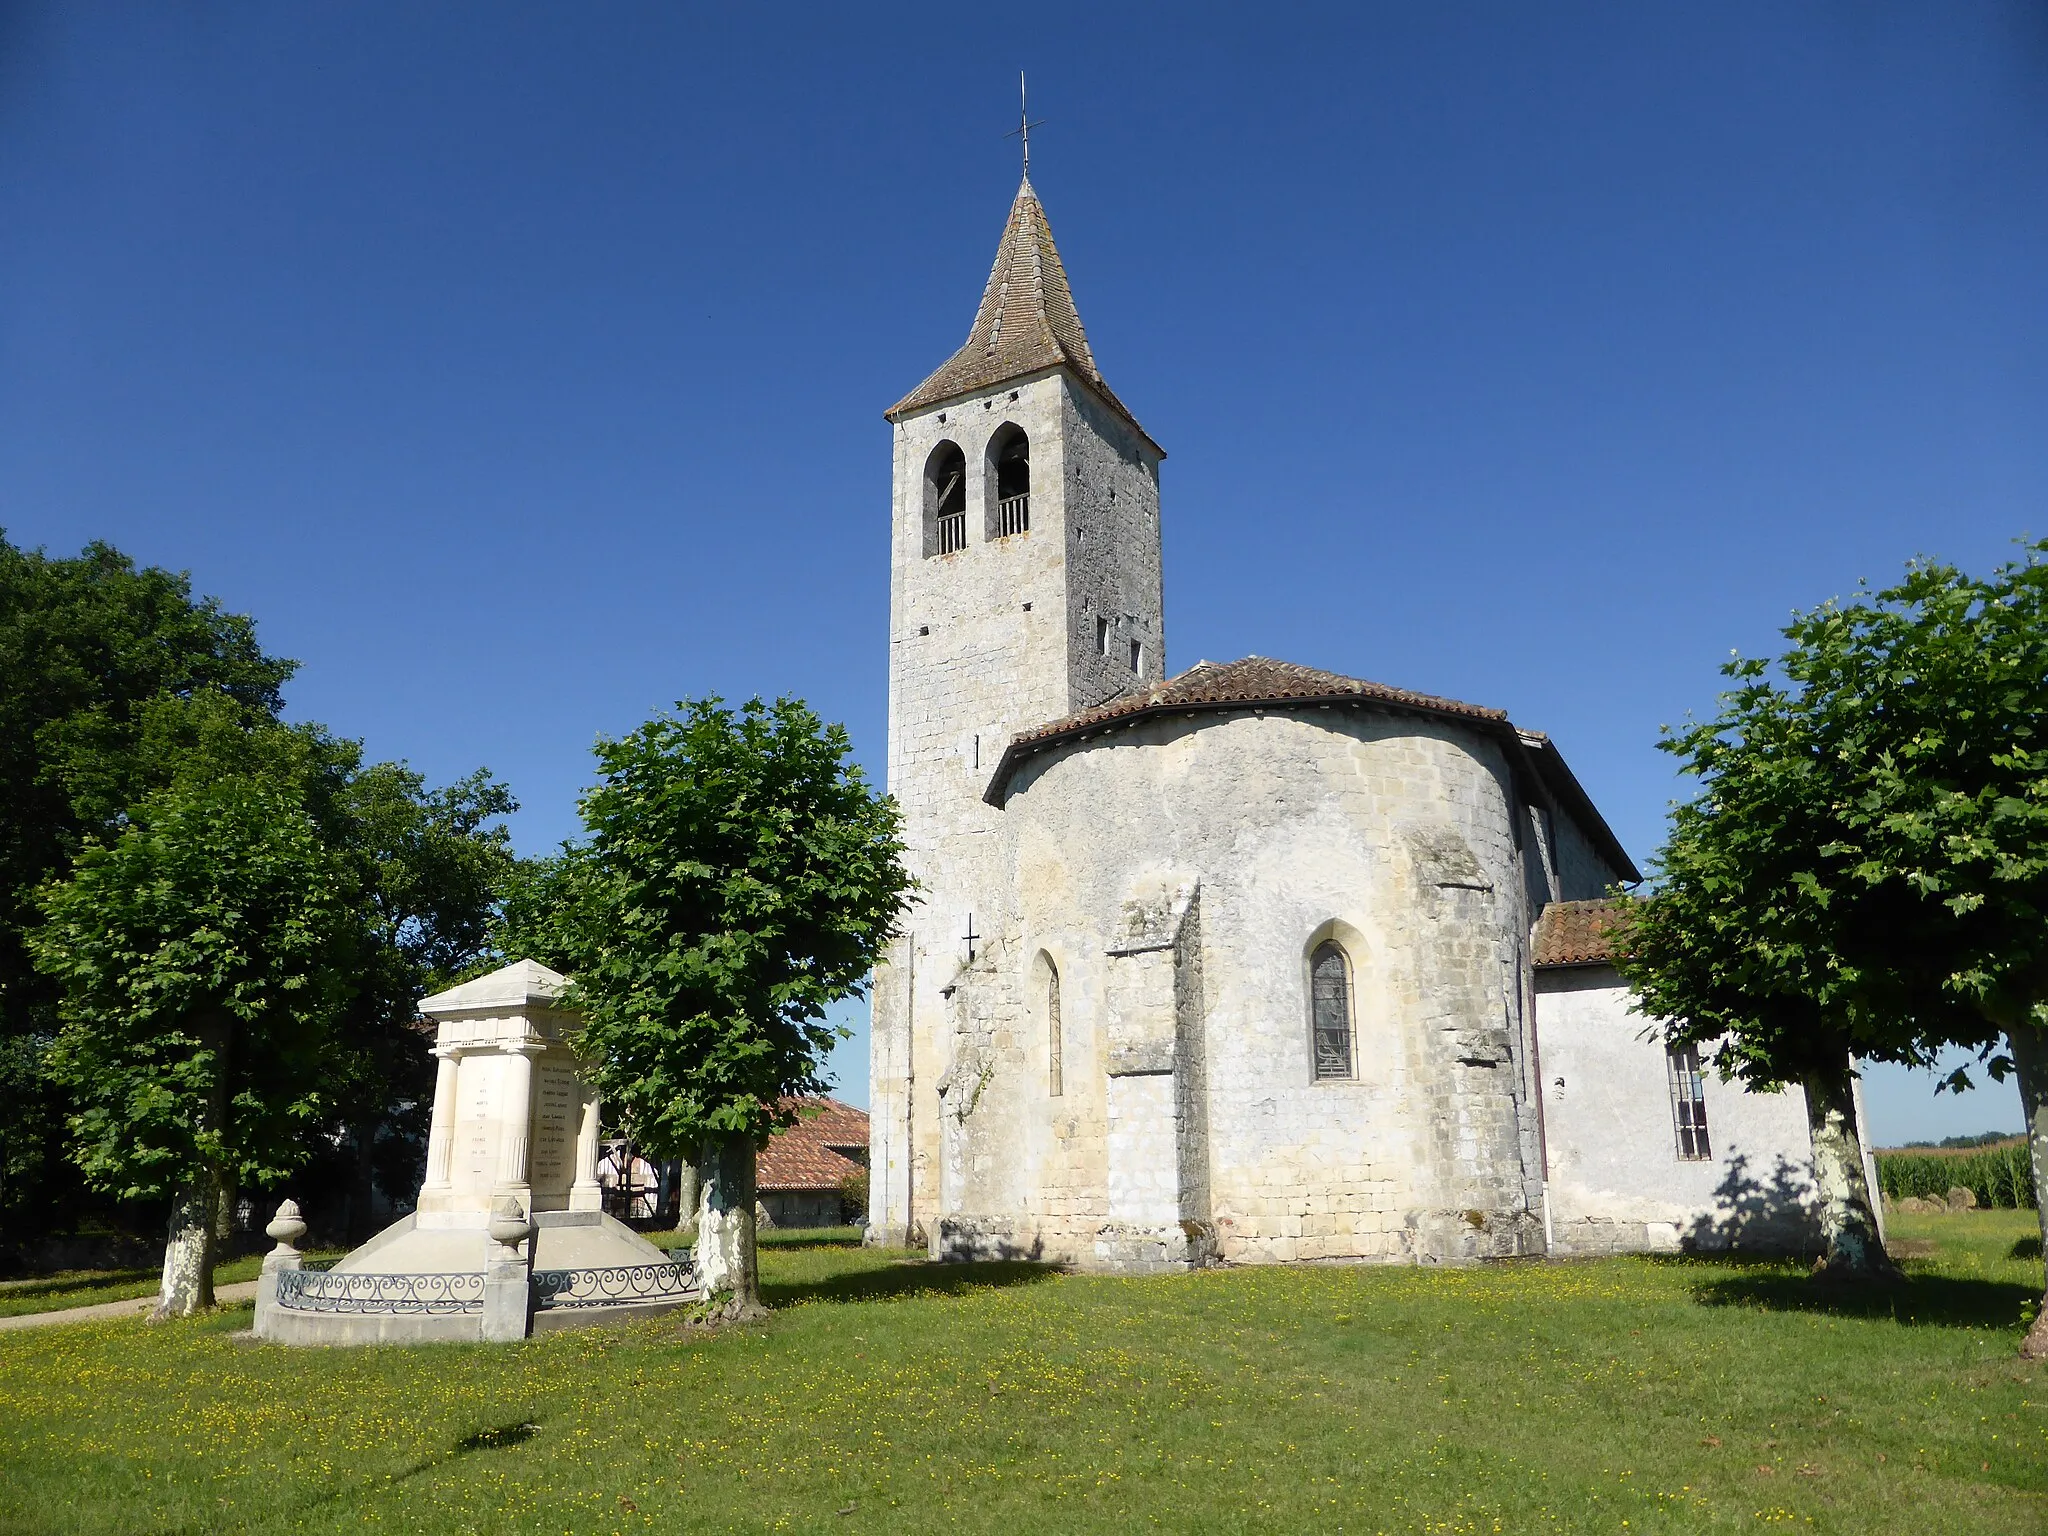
point(1577, 932)
point(1255, 680)
point(802, 1156)
point(1027, 320)
point(1259, 681)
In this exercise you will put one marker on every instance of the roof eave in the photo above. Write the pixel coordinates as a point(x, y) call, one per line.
point(1563, 784)
point(910, 405)
point(1014, 755)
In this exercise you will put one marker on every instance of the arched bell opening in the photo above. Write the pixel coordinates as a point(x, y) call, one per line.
point(945, 500)
point(1009, 473)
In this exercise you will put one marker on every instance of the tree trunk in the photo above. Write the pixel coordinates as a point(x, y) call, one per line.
point(224, 1217)
point(188, 1253)
point(727, 1265)
point(1854, 1250)
point(361, 1225)
point(192, 1242)
point(689, 1187)
point(2030, 1054)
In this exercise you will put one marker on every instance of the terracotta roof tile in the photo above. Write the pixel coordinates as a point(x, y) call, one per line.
point(1026, 322)
point(1254, 680)
point(802, 1157)
point(1577, 932)
point(1260, 681)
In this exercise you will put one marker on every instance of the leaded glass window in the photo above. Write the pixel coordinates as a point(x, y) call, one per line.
point(1330, 1002)
point(1689, 1105)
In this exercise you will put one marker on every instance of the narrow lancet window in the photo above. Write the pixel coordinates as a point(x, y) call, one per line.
point(1009, 457)
point(1689, 1105)
point(1054, 1033)
point(945, 500)
point(1330, 1001)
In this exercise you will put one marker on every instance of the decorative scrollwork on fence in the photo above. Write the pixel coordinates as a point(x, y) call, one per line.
point(312, 1290)
point(619, 1285)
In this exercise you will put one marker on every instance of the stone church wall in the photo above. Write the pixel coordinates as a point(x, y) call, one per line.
point(1199, 1127)
point(1582, 874)
point(1617, 1183)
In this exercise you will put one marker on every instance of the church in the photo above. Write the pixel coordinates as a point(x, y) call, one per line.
point(1248, 964)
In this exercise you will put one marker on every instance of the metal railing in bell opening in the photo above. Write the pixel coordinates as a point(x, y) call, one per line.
point(618, 1285)
point(314, 1290)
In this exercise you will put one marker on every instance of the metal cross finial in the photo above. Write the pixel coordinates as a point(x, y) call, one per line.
point(1024, 125)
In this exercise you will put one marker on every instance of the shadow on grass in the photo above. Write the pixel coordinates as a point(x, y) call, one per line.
point(908, 1279)
point(73, 1285)
point(493, 1439)
point(812, 1237)
point(2026, 1248)
point(1925, 1301)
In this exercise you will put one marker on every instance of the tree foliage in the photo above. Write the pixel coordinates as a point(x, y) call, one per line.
point(119, 688)
point(740, 877)
point(88, 647)
point(205, 952)
point(1867, 862)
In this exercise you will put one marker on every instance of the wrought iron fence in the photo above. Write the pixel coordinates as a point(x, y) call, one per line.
point(613, 1286)
point(314, 1290)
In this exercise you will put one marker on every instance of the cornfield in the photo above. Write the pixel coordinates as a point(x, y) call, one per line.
point(1996, 1175)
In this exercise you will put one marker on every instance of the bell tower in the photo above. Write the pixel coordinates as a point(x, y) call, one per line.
point(1024, 587)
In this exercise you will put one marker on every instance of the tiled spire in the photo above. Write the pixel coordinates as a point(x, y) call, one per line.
point(1027, 320)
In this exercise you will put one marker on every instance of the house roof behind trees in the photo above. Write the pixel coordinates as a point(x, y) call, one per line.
point(821, 1151)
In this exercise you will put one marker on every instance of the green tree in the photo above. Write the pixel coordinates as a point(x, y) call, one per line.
point(1937, 690)
point(1735, 953)
point(87, 645)
point(1868, 858)
point(204, 951)
point(739, 878)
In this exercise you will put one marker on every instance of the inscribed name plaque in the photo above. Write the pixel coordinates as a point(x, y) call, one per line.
point(557, 1117)
point(477, 1131)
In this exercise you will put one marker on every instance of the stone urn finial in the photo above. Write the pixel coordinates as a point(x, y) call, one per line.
point(509, 1224)
point(287, 1227)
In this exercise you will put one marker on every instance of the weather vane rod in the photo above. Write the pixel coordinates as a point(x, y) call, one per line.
point(1024, 125)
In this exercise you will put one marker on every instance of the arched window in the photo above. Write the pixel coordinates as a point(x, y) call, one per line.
point(1009, 462)
point(945, 500)
point(1330, 1004)
point(1055, 1034)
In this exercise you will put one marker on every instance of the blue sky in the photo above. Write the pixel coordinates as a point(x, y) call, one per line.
point(520, 368)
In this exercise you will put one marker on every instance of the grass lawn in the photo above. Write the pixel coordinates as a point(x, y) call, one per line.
point(90, 1287)
point(1628, 1395)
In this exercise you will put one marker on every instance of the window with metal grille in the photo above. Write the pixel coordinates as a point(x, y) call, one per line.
point(945, 500)
point(1055, 1043)
point(1689, 1105)
point(1330, 1003)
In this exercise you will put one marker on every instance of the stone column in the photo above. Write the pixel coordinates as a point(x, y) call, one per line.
point(518, 1120)
point(441, 1129)
point(586, 1194)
